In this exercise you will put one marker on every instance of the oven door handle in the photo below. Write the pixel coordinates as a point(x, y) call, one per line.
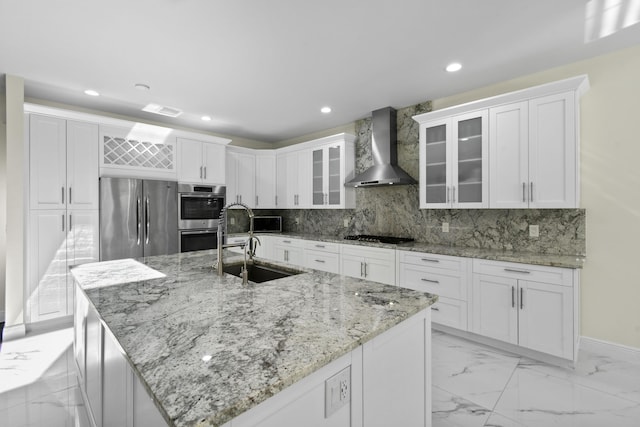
point(183, 232)
point(200, 195)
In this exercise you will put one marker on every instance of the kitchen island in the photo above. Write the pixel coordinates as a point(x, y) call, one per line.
point(166, 340)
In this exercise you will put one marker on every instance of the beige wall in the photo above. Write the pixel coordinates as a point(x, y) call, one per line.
point(610, 158)
point(16, 213)
point(3, 193)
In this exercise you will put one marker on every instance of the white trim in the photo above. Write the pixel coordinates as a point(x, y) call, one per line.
point(102, 120)
point(332, 139)
point(579, 84)
point(606, 348)
point(14, 332)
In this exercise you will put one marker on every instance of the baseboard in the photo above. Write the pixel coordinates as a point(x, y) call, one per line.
point(13, 332)
point(606, 348)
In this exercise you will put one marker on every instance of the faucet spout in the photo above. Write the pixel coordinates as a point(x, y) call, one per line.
point(222, 226)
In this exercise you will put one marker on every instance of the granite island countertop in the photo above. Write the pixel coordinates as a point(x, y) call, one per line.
point(209, 348)
point(551, 260)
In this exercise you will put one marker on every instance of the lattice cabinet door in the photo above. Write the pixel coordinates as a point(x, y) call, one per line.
point(137, 154)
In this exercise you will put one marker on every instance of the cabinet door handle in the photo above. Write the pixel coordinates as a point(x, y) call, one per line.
point(62, 222)
point(447, 196)
point(430, 280)
point(70, 222)
point(256, 200)
point(531, 191)
point(326, 199)
point(365, 269)
point(513, 297)
point(429, 260)
point(320, 260)
point(200, 172)
point(286, 255)
point(319, 246)
point(453, 199)
point(70, 196)
point(241, 198)
point(205, 172)
point(524, 189)
point(361, 269)
point(435, 308)
point(286, 241)
point(62, 192)
point(521, 298)
point(515, 270)
point(276, 199)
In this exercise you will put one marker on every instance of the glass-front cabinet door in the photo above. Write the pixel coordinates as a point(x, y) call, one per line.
point(453, 166)
point(327, 176)
point(470, 142)
point(436, 165)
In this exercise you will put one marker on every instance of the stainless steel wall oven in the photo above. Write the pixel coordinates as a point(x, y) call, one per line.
point(199, 208)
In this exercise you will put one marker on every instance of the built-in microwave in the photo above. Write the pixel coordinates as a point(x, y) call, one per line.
point(199, 206)
point(267, 224)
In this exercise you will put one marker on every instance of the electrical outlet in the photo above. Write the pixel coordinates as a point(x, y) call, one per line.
point(232, 221)
point(346, 222)
point(534, 231)
point(337, 391)
point(296, 220)
point(445, 227)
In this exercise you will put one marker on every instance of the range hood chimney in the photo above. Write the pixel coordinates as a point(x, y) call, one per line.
point(384, 147)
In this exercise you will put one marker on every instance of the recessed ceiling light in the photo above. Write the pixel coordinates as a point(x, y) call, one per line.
point(141, 86)
point(325, 110)
point(91, 92)
point(206, 118)
point(453, 67)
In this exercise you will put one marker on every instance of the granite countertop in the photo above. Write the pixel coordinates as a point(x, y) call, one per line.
point(209, 348)
point(566, 261)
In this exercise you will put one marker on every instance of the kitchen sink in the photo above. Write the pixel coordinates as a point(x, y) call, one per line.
point(259, 273)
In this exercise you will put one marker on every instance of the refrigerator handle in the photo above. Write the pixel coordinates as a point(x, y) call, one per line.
point(147, 215)
point(138, 222)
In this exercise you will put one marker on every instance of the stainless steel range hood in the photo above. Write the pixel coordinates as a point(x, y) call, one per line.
point(384, 148)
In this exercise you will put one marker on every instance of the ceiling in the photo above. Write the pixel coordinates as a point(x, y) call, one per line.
point(263, 69)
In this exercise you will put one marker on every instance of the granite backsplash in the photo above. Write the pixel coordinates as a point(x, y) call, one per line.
point(395, 210)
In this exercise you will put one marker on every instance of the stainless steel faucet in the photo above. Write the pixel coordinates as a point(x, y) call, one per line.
point(247, 247)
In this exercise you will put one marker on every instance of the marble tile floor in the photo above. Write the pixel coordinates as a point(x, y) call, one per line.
point(473, 386)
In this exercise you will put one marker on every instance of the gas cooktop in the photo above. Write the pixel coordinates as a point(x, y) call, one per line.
point(379, 239)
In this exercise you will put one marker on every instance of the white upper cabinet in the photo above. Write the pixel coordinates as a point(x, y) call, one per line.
point(331, 165)
point(312, 174)
point(201, 162)
point(241, 175)
point(265, 180)
point(63, 159)
point(453, 159)
point(516, 150)
point(534, 153)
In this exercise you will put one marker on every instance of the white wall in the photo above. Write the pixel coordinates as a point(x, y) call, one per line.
point(610, 167)
point(16, 213)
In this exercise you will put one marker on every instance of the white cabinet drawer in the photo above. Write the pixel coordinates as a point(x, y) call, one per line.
point(324, 261)
point(322, 246)
point(450, 312)
point(365, 252)
point(433, 260)
point(288, 241)
point(536, 273)
point(441, 282)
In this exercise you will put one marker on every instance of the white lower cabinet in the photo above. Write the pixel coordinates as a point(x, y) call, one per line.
point(375, 264)
point(288, 250)
point(322, 256)
point(530, 306)
point(113, 395)
point(445, 276)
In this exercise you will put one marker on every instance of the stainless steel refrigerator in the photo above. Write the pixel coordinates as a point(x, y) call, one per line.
point(137, 218)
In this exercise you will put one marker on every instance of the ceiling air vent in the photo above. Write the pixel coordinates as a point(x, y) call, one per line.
point(162, 110)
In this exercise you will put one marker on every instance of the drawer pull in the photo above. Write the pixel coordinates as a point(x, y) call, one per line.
point(319, 246)
point(435, 308)
point(430, 260)
point(430, 280)
point(514, 270)
point(286, 241)
point(320, 260)
point(513, 297)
